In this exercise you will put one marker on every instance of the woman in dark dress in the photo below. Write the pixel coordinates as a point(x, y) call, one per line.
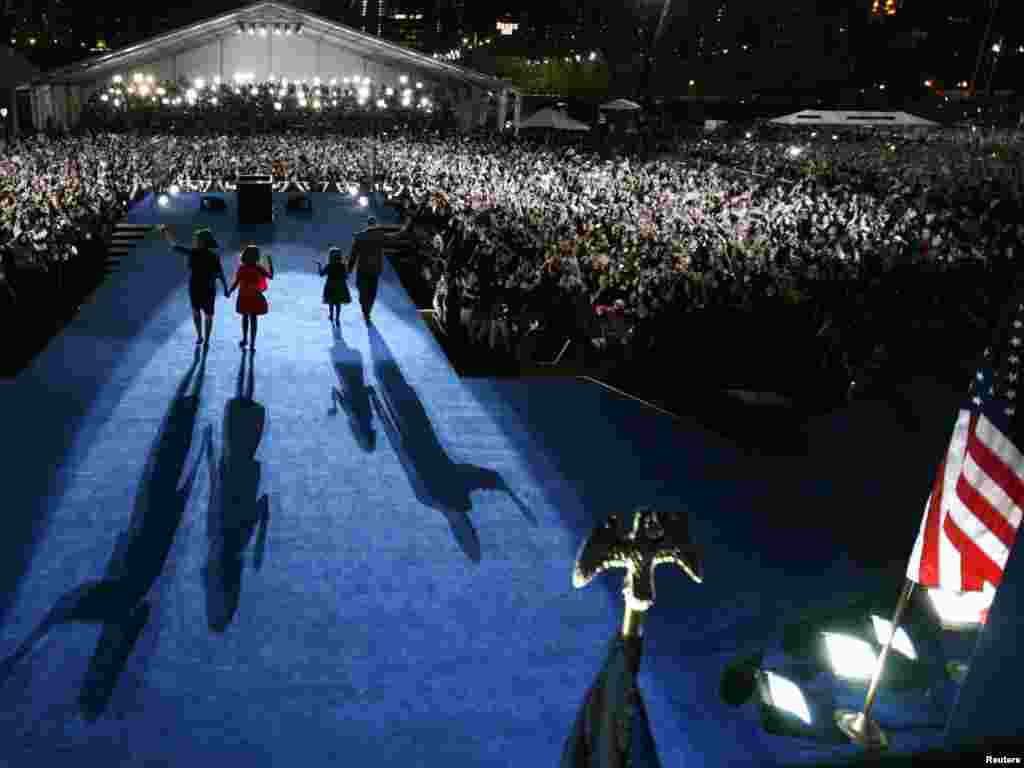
point(205, 268)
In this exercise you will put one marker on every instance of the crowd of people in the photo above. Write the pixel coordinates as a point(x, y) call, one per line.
point(521, 242)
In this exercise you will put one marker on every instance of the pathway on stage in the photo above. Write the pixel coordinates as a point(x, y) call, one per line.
point(323, 586)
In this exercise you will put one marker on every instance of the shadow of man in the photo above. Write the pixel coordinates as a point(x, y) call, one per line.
point(234, 509)
point(352, 396)
point(117, 600)
point(437, 481)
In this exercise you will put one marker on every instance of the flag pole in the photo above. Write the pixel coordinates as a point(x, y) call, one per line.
point(858, 726)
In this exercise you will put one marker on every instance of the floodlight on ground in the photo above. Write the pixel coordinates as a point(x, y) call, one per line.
point(366, 80)
point(363, 202)
point(961, 611)
point(901, 642)
point(850, 657)
point(175, 189)
point(177, 101)
point(784, 695)
point(163, 200)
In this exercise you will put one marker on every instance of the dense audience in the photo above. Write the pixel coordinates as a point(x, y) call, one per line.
point(521, 241)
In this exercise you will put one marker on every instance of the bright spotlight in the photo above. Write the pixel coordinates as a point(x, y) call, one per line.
point(962, 610)
point(901, 642)
point(163, 200)
point(784, 695)
point(381, 103)
point(814, 134)
point(118, 79)
point(214, 102)
point(851, 657)
point(363, 202)
point(403, 79)
point(795, 151)
point(161, 92)
point(419, 85)
point(104, 97)
point(749, 135)
point(835, 137)
point(277, 106)
point(389, 91)
point(364, 93)
point(353, 191)
point(252, 91)
point(175, 189)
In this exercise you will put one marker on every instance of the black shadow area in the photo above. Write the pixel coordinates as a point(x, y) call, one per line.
point(352, 395)
point(437, 481)
point(234, 509)
point(117, 600)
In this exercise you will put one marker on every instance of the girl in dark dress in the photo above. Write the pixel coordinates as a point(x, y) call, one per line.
point(336, 290)
point(205, 269)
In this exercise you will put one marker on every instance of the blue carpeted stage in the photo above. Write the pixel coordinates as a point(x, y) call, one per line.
point(336, 552)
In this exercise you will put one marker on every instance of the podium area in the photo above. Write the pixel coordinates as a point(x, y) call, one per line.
point(336, 551)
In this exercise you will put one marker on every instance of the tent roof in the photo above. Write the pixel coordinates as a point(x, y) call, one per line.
point(551, 118)
point(853, 117)
point(208, 30)
point(621, 104)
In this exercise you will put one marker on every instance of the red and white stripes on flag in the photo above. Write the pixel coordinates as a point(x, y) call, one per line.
point(974, 510)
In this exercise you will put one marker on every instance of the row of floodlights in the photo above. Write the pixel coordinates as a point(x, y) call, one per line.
point(361, 200)
point(854, 658)
point(199, 83)
point(263, 29)
point(192, 97)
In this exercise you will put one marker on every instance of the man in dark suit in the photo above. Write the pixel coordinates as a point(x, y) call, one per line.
point(367, 261)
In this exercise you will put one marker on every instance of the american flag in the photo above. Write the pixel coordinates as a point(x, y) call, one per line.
point(974, 510)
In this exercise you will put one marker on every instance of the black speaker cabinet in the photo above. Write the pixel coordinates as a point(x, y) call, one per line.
point(255, 199)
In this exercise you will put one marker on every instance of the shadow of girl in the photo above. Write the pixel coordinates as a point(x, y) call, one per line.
point(234, 509)
point(117, 600)
point(352, 394)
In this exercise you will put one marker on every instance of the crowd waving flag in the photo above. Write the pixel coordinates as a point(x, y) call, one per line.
point(974, 510)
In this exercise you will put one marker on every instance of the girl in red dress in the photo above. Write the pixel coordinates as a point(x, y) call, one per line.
point(251, 281)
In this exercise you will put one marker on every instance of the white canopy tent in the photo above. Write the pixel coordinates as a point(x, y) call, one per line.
point(854, 118)
point(620, 105)
point(553, 119)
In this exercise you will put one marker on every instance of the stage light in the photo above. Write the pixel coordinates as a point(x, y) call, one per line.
point(406, 101)
point(407, 92)
point(252, 91)
point(137, 77)
point(117, 102)
point(316, 82)
point(814, 134)
point(104, 97)
point(214, 102)
point(277, 106)
point(419, 85)
point(835, 137)
point(263, 30)
point(851, 657)
point(959, 611)
point(163, 200)
point(424, 102)
point(117, 78)
point(177, 102)
point(389, 91)
point(277, 29)
point(997, 47)
point(593, 55)
point(929, 83)
point(161, 92)
point(364, 93)
point(153, 99)
point(363, 202)
point(175, 189)
point(749, 135)
point(353, 191)
point(165, 101)
point(795, 151)
point(693, 83)
point(900, 642)
point(403, 79)
point(784, 695)
point(380, 103)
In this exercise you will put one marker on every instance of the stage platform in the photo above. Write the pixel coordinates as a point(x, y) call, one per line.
point(214, 559)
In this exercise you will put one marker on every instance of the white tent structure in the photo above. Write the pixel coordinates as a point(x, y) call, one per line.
point(553, 119)
point(265, 40)
point(620, 105)
point(854, 118)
